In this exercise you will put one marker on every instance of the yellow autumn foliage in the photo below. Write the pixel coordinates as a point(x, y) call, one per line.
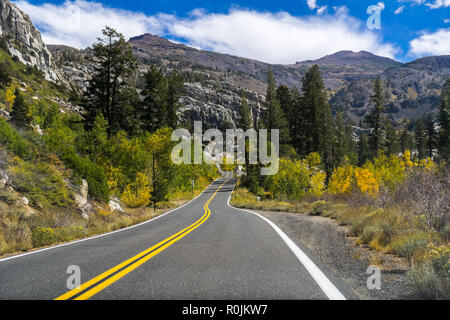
point(10, 97)
point(366, 181)
point(137, 194)
point(342, 180)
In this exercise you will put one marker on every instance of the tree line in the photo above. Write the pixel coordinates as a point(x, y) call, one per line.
point(307, 126)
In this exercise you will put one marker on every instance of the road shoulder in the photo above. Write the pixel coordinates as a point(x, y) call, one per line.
point(322, 239)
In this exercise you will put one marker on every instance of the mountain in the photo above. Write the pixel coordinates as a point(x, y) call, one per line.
point(412, 89)
point(213, 81)
point(23, 40)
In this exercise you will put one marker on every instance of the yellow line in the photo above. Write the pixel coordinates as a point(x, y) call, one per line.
point(170, 241)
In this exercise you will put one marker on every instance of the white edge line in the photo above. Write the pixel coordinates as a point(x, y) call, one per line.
point(105, 234)
point(321, 279)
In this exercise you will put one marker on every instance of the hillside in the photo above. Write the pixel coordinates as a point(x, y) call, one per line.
point(214, 81)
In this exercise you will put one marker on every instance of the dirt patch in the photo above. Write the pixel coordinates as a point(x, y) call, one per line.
point(331, 244)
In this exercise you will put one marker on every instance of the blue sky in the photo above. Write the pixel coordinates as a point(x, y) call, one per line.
point(272, 31)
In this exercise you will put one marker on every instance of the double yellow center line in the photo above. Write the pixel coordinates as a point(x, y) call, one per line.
point(97, 284)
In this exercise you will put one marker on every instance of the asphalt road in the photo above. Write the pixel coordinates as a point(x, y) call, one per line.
point(204, 250)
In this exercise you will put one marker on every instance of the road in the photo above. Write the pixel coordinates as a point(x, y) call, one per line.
point(203, 250)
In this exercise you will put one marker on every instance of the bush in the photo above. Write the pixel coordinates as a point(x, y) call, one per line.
point(8, 197)
point(369, 233)
point(47, 236)
point(41, 183)
point(137, 194)
point(409, 245)
point(319, 208)
point(13, 141)
point(42, 237)
point(91, 172)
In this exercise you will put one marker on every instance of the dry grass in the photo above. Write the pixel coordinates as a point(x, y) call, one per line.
point(393, 230)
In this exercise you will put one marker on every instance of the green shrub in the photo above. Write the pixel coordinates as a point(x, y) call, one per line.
point(319, 208)
point(8, 197)
point(428, 284)
point(13, 141)
point(86, 169)
point(47, 236)
point(407, 245)
point(41, 183)
point(42, 237)
point(369, 233)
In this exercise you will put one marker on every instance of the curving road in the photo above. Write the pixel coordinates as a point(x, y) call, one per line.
point(203, 250)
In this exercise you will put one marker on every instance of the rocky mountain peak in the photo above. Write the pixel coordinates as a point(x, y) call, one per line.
point(24, 41)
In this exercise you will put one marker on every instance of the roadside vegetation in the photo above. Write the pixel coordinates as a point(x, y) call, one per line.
point(390, 187)
point(59, 168)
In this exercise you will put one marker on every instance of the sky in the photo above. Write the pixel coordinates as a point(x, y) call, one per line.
point(279, 32)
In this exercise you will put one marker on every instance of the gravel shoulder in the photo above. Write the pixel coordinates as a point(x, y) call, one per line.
point(340, 253)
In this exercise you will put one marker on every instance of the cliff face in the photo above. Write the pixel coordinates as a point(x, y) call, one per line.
point(24, 41)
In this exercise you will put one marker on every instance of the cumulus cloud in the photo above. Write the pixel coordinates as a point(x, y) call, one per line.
point(439, 4)
point(78, 23)
point(399, 10)
point(312, 4)
point(270, 37)
point(436, 43)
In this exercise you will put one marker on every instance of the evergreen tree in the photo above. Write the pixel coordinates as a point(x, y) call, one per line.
point(153, 109)
point(431, 135)
point(444, 122)
point(391, 141)
point(363, 149)
point(285, 99)
point(274, 117)
point(406, 140)
point(375, 119)
point(5, 78)
point(174, 90)
point(341, 142)
point(420, 139)
point(350, 144)
point(295, 120)
point(108, 93)
point(20, 113)
point(245, 121)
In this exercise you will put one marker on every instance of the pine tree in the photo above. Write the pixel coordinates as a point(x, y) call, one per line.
point(285, 99)
point(20, 113)
point(108, 93)
point(391, 141)
point(153, 109)
point(245, 121)
point(174, 90)
point(430, 135)
point(313, 99)
point(5, 78)
point(444, 122)
point(274, 117)
point(406, 141)
point(375, 119)
point(341, 143)
point(363, 149)
point(420, 139)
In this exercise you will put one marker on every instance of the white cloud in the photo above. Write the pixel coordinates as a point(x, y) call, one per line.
point(312, 4)
point(446, 20)
point(436, 43)
point(381, 5)
point(270, 37)
point(439, 4)
point(322, 9)
point(399, 10)
point(78, 23)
